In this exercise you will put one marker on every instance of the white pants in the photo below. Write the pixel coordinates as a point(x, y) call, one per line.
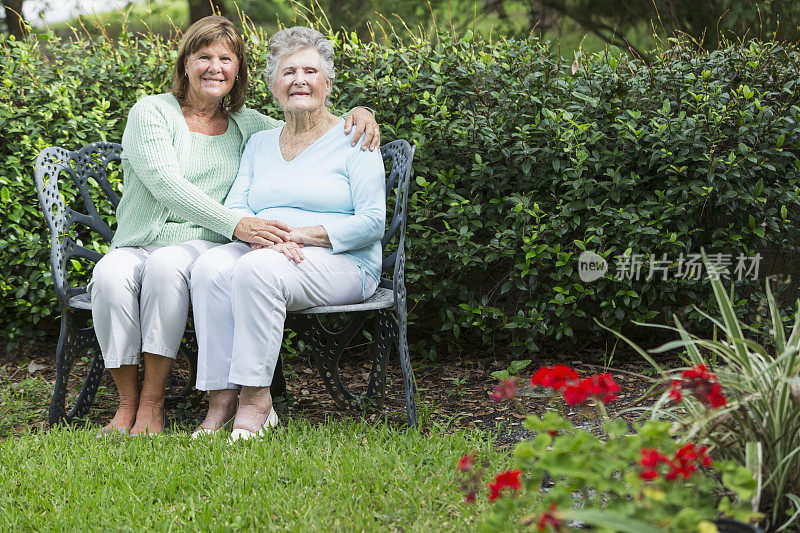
point(240, 298)
point(140, 300)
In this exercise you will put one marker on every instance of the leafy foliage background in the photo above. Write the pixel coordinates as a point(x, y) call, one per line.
point(523, 161)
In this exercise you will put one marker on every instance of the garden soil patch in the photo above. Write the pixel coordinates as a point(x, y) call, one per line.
point(454, 393)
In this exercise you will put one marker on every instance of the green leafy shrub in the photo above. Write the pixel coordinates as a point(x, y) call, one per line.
point(521, 164)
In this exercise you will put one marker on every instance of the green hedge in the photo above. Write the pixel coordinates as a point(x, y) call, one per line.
point(523, 160)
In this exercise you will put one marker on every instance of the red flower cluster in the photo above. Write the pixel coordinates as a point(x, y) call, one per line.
point(701, 384)
point(470, 483)
point(555, 377)
point(600, 386)
point(685, 462)
point(508, 479)
point(549, 518)
point(563, 378)
point(506, 390)
point(467, 462)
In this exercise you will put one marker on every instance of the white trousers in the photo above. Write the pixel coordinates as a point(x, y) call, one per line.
point(140, 300)
point(240, 298)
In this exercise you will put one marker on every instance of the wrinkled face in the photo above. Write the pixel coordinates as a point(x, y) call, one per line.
point(299, 82)
point(211, 71)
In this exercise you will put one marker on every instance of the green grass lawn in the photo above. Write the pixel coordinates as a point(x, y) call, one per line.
point(304, 477)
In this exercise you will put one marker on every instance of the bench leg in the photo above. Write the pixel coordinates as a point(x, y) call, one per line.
point(401, 339)
point(382, 346)
point(72, 343)
point(328, 347)
point(278, 386)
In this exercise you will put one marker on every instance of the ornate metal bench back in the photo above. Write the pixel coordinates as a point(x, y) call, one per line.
point(402, 155)
point(91, 161)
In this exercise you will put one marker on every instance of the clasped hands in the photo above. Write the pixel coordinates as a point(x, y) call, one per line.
point(272, 234)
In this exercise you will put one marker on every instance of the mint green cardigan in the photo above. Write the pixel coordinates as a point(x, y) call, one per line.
point(161, 177)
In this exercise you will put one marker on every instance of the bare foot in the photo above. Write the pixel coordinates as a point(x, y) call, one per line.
point(255, 403)
point(123, 419)
point(126, 378)
point(149, 419)
point(221, 409)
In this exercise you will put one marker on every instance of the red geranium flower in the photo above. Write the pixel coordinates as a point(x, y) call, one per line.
point(600, 386)
point(715, 397)
point(575, 393)
point(555, 377)
point(698, 372)
point(549, 518)
point(506, 390)
point(603, 387)
point(675, 391)
point(648, 474)
point(650, 457)
point(700, 383)
point(682, 465)
point(508, 479)
point(467, 462)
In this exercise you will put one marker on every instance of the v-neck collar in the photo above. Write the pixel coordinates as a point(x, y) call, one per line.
point(307, 148)
point(177, 105)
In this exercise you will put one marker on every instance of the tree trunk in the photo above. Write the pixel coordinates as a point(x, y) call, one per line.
point(14, 18)
point(203, 8)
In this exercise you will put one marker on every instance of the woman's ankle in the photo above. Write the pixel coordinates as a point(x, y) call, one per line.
point(221, 408)
point(125, 416)
point(259, 398)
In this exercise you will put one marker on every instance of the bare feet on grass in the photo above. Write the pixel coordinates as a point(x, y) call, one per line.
point(149, 418)
point(123, 419)
point(126, 378)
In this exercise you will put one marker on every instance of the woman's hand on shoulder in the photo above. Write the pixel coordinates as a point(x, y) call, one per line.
point(364, 122)
point(259, 231)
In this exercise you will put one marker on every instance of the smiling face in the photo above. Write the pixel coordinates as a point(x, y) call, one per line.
point(300, 84)
point(211, 71)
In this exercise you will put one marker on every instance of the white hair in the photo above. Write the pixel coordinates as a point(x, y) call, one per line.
point(291, 40)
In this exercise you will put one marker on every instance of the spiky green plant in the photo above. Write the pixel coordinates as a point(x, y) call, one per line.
point(760, 424)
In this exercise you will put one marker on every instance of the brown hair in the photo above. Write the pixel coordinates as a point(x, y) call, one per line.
point(206, 31)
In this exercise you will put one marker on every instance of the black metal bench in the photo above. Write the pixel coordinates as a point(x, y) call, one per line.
point(77, 338)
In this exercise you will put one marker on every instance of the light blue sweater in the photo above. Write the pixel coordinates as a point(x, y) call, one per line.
point(331, 184)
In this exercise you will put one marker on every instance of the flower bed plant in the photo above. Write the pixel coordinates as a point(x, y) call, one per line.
point(641, 481)
point(759, 416)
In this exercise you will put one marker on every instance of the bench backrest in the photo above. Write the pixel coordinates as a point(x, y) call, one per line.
point(92, 161)
point(402, 155)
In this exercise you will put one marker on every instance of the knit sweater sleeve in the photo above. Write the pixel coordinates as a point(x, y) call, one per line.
point(147, 145)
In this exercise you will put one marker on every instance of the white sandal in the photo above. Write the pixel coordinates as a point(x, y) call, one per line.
point(244, 434)
point(202, 432)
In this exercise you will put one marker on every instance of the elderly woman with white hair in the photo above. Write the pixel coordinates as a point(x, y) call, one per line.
point(331, 195)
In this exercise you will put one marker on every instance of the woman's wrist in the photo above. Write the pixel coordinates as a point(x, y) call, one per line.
point(310, 235)
point(296, 235)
